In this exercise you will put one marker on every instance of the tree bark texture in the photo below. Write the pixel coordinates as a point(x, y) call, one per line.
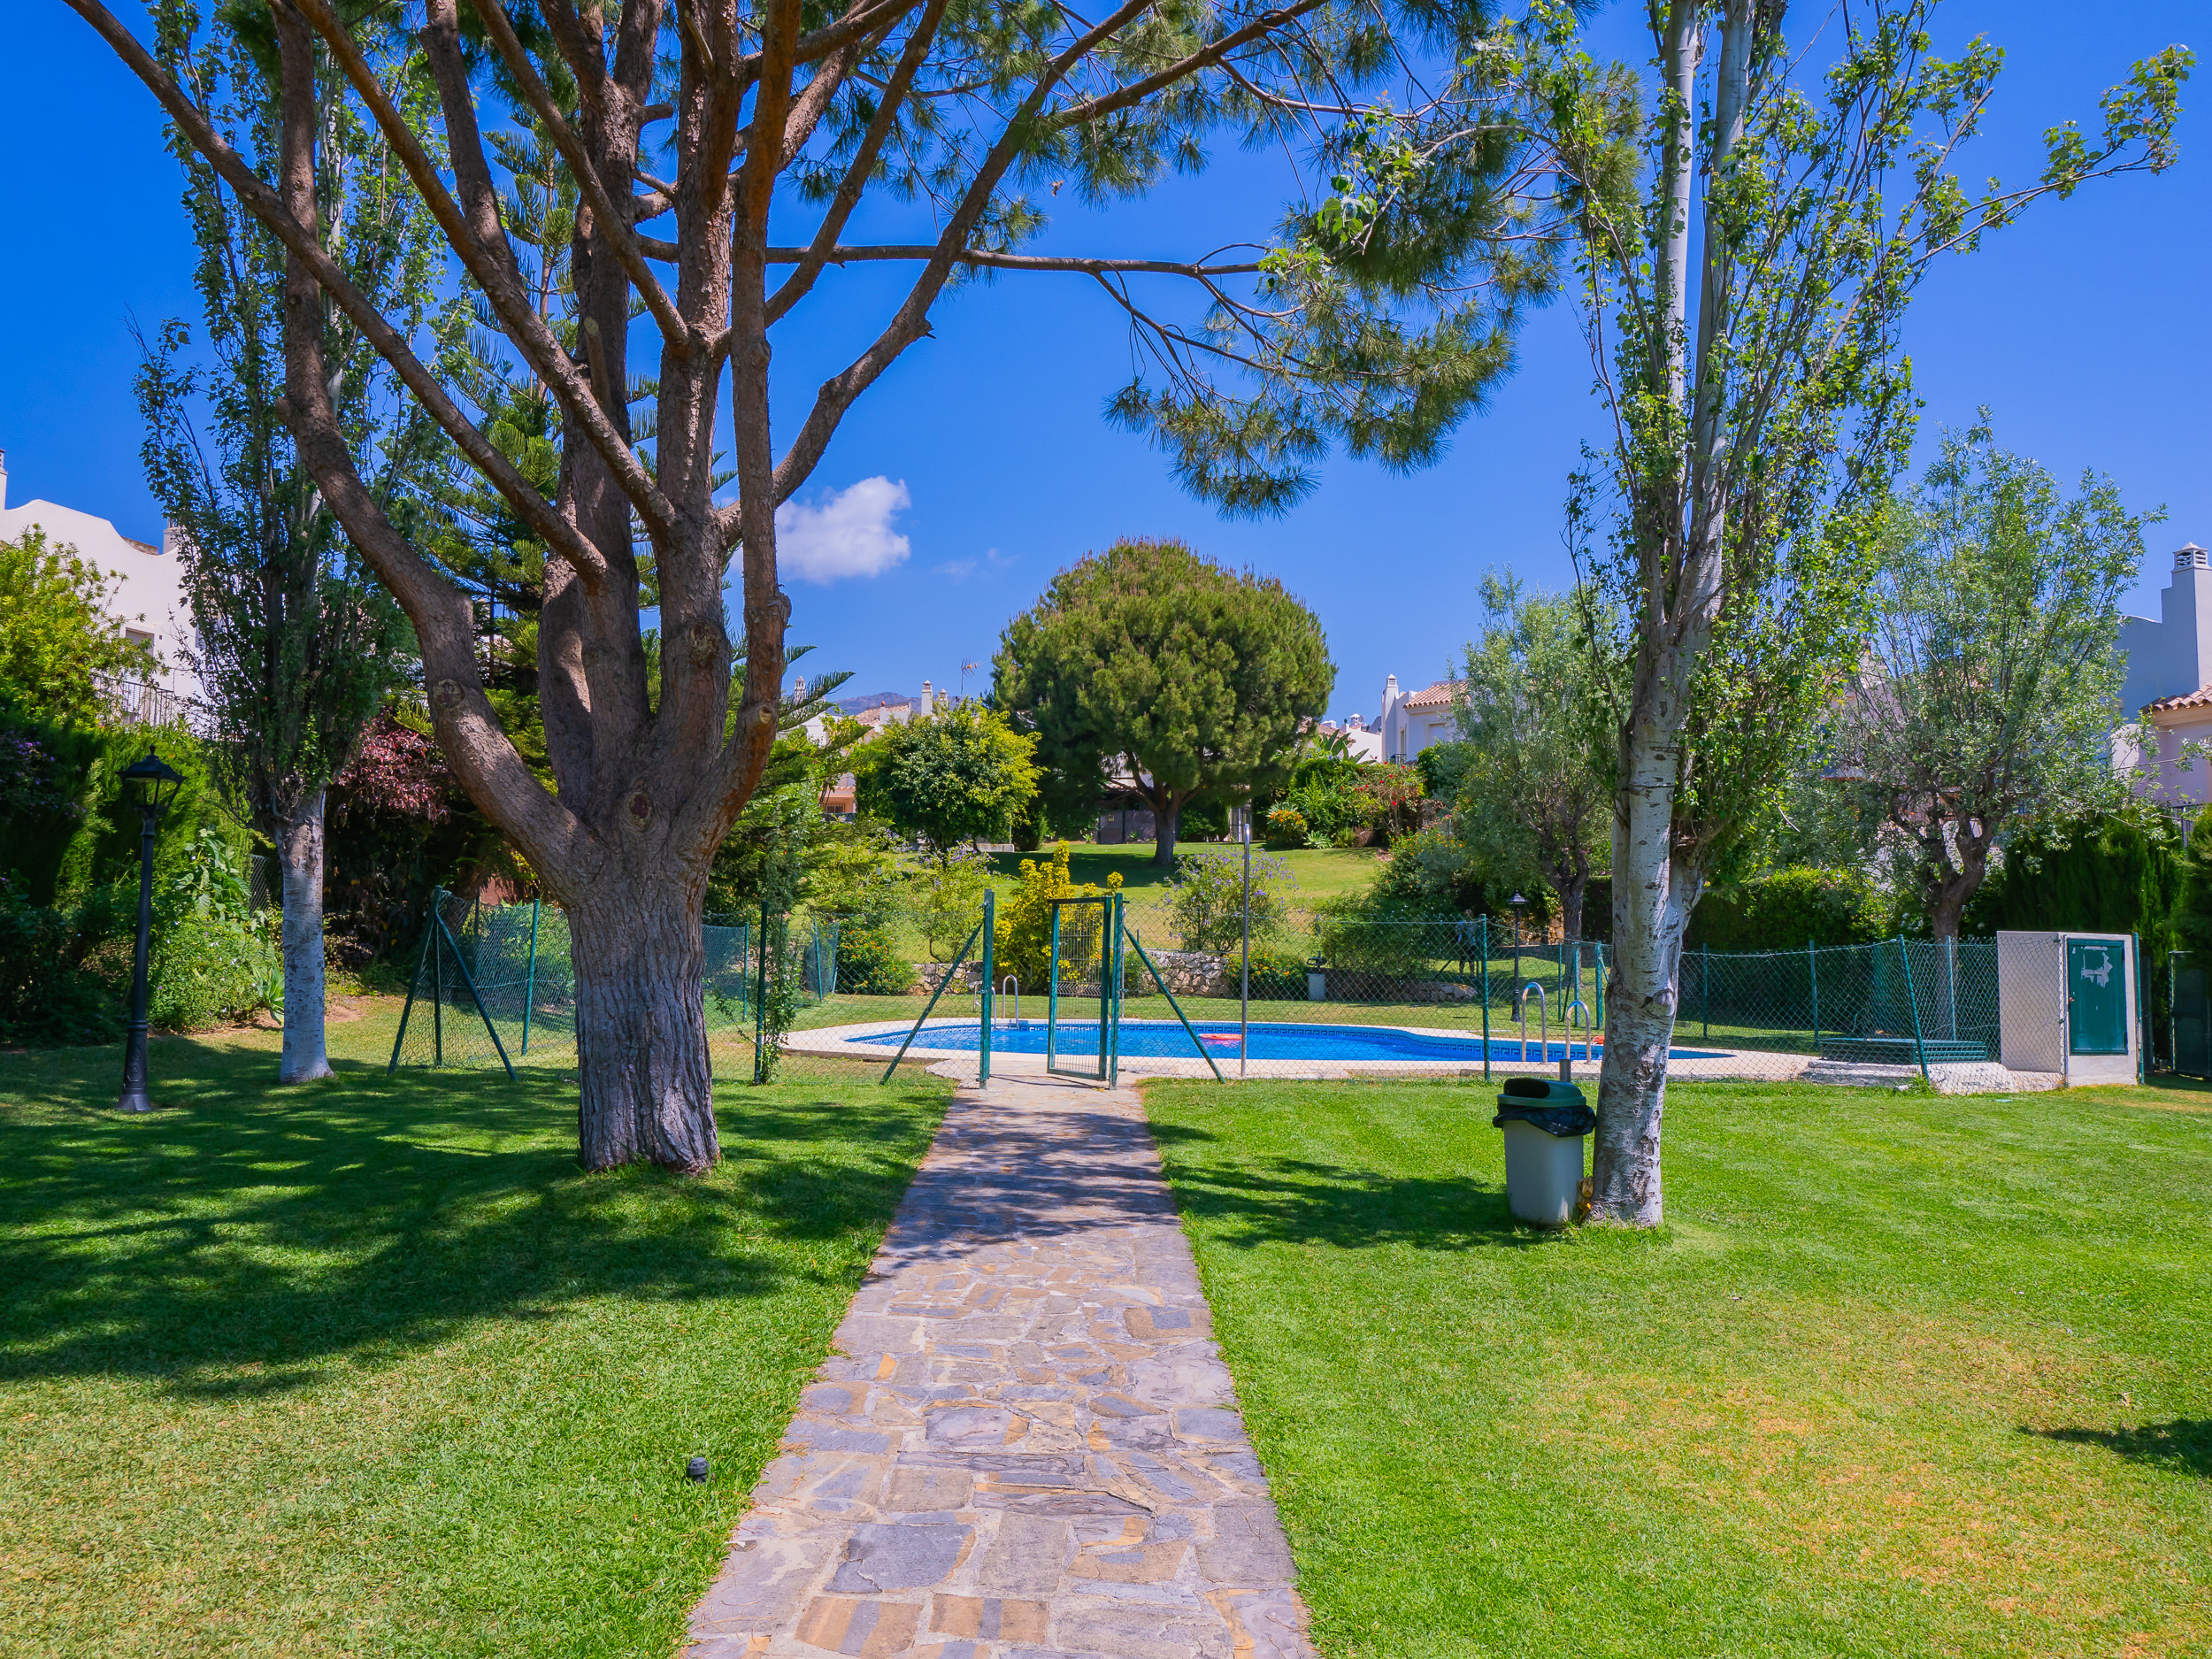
point(641, 1027)
point(299, 840)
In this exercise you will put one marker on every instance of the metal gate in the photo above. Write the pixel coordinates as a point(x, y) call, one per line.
point(1079, 937)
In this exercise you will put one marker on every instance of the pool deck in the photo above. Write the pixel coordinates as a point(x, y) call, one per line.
point(844, 1042)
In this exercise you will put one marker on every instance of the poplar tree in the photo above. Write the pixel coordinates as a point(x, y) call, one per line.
point(297, 646)
point(1747, 218)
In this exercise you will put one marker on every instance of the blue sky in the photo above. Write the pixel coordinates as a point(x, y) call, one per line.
point(2085, 330)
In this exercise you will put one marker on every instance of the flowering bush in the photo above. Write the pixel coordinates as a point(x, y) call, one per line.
point(1207, 902)
point(1286, 828)
point(1023, 944)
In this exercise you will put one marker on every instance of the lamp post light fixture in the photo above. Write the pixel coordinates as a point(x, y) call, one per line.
point(151, 783)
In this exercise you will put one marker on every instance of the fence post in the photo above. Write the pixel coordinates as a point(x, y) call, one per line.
point(1052, 995)
point(1111, 1006)
point(1486, 998)
point(530, 978)
point(990, 896)
point(1919, 1043)
point(408, 1007)
point(1705, 976)
point(1244, 992)
point(437, 980)
point(1812, 978)
point(2142, 1010)
point(760, 995)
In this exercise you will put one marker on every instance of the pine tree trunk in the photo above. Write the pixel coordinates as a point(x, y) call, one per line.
point(300, 856)
point(1166, 821)
point(646, 1083)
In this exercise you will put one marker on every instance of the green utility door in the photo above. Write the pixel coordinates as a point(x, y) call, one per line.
point(2096, 996)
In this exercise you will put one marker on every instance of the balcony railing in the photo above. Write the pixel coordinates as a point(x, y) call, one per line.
point(142, 703)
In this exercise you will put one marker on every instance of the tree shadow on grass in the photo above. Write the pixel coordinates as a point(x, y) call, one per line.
point(271, 1230)
point(2184, 1445)
point(1294, 1201)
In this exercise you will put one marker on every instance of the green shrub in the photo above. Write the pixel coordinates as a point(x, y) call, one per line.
point(1023, 946)
point(868, 959)
point(1278, 975)
point(1287, 829)
point(215, 958)
point(949, 901)
point(1207, 907)
point(64, 974)
point(1783, 910)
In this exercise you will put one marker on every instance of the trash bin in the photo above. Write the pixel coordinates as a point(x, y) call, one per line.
point(1544, 1122)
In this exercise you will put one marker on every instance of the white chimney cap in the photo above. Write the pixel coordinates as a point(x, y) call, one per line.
point(2189, 556)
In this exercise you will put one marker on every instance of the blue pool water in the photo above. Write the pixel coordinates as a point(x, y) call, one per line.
point(1271, 1040)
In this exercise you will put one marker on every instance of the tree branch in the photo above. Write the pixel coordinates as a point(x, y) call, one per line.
point(619, 235)
point(263, 202)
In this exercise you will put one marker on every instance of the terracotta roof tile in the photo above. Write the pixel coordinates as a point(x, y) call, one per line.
point(1444, 691)
point(2200, 698)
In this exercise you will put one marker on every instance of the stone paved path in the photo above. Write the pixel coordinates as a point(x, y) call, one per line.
point(1026, 1446)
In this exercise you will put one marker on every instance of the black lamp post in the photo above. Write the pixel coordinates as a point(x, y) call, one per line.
point(1516, 902)
point(152, 784)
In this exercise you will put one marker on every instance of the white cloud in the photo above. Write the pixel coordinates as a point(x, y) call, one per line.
point(847, 532)
point(957, 569)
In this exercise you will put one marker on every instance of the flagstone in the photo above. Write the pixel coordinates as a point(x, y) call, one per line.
point(1026, 1446)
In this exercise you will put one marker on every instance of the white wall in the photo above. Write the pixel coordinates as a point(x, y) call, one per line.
point(147, 594)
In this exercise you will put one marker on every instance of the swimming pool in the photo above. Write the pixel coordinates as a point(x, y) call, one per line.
point(1165, 1039)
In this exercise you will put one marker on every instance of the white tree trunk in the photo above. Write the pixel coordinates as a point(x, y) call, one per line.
point(300, 854)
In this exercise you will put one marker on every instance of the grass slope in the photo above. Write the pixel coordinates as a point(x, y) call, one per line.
point(1902, 1376)
point(1319, 873)
point(369, 1367)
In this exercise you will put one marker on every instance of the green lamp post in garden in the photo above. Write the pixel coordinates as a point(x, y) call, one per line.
point(152, 784)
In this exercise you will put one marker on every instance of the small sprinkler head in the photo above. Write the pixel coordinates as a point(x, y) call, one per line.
point(697, 1468)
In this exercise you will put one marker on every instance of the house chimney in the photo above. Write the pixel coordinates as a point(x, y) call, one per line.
point(1390, 691)
point(3, 480)
point(2188, 556)
point(173, 539)
point(927, 704)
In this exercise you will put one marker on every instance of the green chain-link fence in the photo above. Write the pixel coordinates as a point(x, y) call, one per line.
point(1327, 996)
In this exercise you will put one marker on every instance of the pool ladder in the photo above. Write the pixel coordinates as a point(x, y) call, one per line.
point(1543, 1028)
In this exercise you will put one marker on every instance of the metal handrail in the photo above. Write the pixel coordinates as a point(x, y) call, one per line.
point(1567, 1056)
point(1543, 1015)
point(1014, 981)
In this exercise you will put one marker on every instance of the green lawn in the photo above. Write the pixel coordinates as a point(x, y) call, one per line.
point(1902, 1376)
point(1319, 873)
point(369, 1367)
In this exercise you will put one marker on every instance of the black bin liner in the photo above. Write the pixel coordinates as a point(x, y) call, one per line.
point(1557, 1109)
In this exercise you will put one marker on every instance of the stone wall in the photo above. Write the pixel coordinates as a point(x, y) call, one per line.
point(1190, 972)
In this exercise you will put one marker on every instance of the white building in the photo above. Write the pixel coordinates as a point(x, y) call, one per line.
point(1411, 721)
point(1363, 741)
point(2169, 686)
point(146, 592)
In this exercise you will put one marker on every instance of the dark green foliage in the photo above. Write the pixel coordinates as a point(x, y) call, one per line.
point(1786, 908)
point(64, 973)
point(2121, 873)
point(1430, 873)
point(1278, 975)
point(65, 830)
point(1442, 767)
point(1183, 672)
point(45, 766)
